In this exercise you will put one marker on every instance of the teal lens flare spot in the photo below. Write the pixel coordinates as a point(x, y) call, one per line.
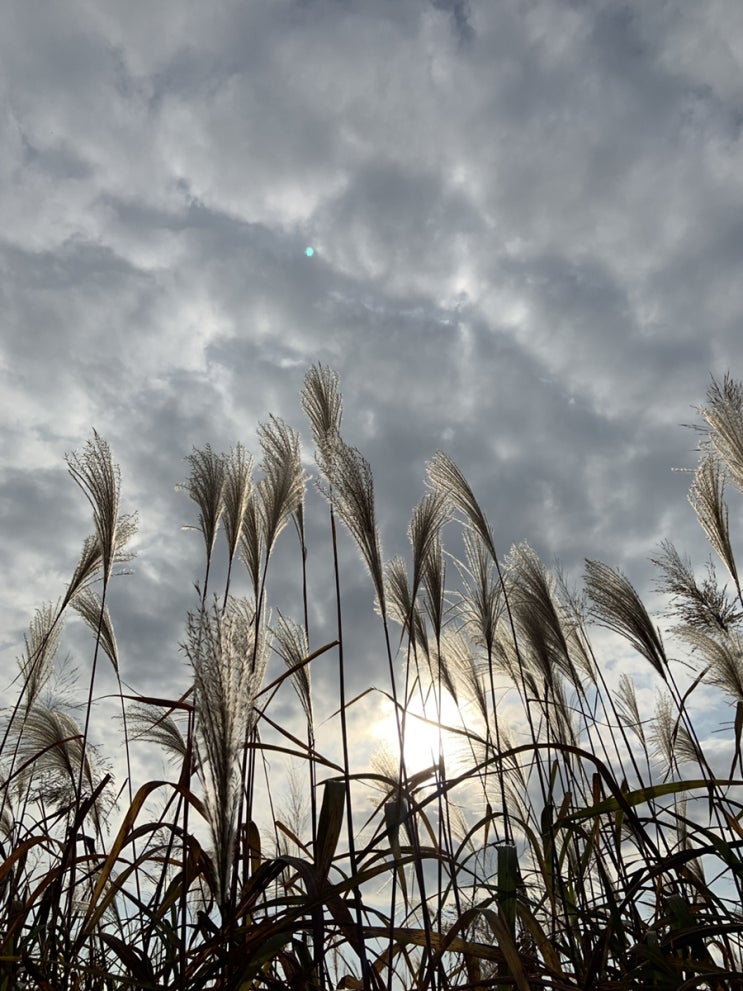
point(309, 252)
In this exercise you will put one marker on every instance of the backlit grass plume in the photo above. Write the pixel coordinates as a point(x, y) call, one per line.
point(322, 402)
point(205, 486)
point(41, 645)
point(220, 647)
point(723, 415)
point(350, 491)
point(236, 496)
point(100, 480)
point(707, 499)
point(617, 606)
point(281, 489)
point(700, 604)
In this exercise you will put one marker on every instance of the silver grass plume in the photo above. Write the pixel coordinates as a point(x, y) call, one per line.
point(41, 645)
point(707, 499)
point(401, 606)
point(434, 584)
point(238, 486)
point(97, 617)
point(149, 723)
point(724, 416)
point(397, 591)
point(290, 642)
point(423, 531)
point(460, 829)
point(292, 813)
point(205, 486)
point(447, 667)
point(562, 717)
point(252, 542)
point(350, 488)
point(723, 656)
point(220, 648)
point(513, 781)
point(576, 640)
point(617, 606)
point(544, 663)
point(537, 616)
point(351, 494)
point(90, 563)
point(87, 568)
point(385, 764)
point(446, 476)
point(628, 709)
point(52, 740)
point(481, 604)
point(704, 606)
point(323, 404)
point(669, 738)
point(100, 480)
point(420, 633)
point(461, 673)
point(573, 621)
point(281, 490)
point(519, 668)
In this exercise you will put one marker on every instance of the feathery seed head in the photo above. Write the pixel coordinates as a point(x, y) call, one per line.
point(351, 494)
point(98, 618)
point(425, 525)
point(205, 486)
point(220, 647)
point(723, 656)
point(238, 486)
point(281, 490)
point(669, 737)
point(481, 601)
point(460, 672)
point(149, 723)
point(397, 590)
point(51, 740)
point(724, 416)
point(251, 541)
point(290, 642)
point(41, 644)
point(100, 480)
point(702, 606)
point(627, 707)
point(323, 404)
point(618, 607)
point(707, 499)
point(434, 583)
point(445, 476)
point(534, 607)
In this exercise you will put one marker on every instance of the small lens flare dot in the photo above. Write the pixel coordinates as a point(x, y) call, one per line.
point(309, 252)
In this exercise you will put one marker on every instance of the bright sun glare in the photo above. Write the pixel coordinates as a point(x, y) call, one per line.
point(422, 734)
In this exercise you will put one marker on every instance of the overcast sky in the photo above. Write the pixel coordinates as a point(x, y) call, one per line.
point(527, 232)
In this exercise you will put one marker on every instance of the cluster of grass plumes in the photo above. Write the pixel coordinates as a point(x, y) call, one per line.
point(562, 836)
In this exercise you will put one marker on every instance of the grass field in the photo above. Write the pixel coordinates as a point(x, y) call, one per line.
point(605, 852)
